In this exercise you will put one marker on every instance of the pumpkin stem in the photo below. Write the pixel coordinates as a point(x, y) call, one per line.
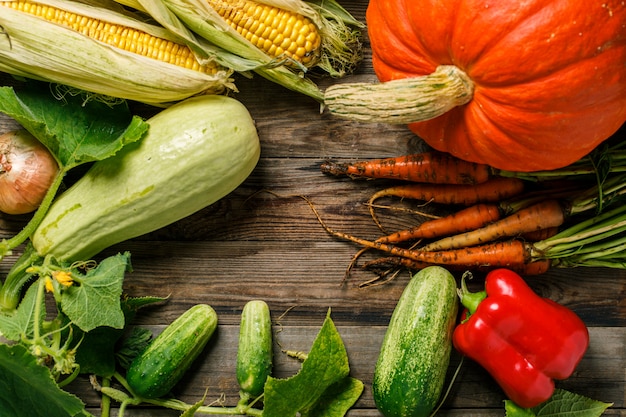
point(401, 101)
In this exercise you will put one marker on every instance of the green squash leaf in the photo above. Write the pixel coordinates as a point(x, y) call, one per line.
point(95, 299)
point(28, 389)
point(309, 392)
point(73, 127)
point(562, 404)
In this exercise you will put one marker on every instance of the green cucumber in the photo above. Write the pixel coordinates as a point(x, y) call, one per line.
point(155, 371)
point(195, 152)
point(254, 353)
point(415, 353)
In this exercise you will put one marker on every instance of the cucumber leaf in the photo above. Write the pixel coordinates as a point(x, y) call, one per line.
point(102, 348)
point(94, 300)
point(337, 399)
point(562, 404)
point(73, 127)
point(28, 389)
point(322, 387)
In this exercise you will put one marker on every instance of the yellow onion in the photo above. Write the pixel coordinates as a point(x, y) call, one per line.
point(27, 169)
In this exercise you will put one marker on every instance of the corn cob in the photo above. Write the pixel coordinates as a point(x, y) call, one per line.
point(149, 65)
point(279, 39)
point(276, 31)
point(125, 38)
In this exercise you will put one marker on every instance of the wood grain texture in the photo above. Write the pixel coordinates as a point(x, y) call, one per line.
point(262, 241)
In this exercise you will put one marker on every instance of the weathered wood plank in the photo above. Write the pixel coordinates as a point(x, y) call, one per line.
point(227, 273)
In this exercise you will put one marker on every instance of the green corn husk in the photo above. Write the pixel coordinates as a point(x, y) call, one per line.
point(34, 48)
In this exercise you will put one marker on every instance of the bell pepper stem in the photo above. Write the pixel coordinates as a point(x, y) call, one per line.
point(470, 300)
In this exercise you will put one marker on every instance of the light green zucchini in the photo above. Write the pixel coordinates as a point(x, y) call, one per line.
point(254, 352)
point(195, 152)
point(163, 363)
point(414, 357)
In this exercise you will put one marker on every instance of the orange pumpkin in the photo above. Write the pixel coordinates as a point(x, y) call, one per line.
point(546, 79)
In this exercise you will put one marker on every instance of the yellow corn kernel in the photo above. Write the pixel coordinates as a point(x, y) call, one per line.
point(279, 33)
point(125, 38)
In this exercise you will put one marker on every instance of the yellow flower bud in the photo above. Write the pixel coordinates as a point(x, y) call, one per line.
point(48, 284)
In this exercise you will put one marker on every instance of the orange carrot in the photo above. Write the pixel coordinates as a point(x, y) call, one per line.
point(542, 215)
point(538, 235)
point(536, 267)
point(497, 254)
point(464, 220)
point(512, 252)
point(529, 268)
point(493, 190)
point(476, 216)
point(427, 167)
point(505, 254)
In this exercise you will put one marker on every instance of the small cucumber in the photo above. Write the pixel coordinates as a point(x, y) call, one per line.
point(414, 357)
point(163, 363)
point(254, 353)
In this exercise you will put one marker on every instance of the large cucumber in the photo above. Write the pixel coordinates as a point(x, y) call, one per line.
point(255, 349)
point(414, 357)
point(163, 363)
point(194, 153)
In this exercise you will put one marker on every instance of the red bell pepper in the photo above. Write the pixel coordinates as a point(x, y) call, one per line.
point(523, 340)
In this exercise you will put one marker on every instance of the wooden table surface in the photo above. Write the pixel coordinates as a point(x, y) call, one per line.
point(255, 244)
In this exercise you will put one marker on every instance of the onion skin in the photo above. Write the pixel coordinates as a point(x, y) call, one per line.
point(27, 169)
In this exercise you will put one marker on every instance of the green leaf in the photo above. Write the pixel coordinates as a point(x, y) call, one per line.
point(20, 323)
point(325, 366)
point(96, 352)
point(94, 300)
point(28, 389)
point(337, 399)
point(133, 304)
point(562, 404)
point(131, 346)
point(73, 127)
point(103, 347)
